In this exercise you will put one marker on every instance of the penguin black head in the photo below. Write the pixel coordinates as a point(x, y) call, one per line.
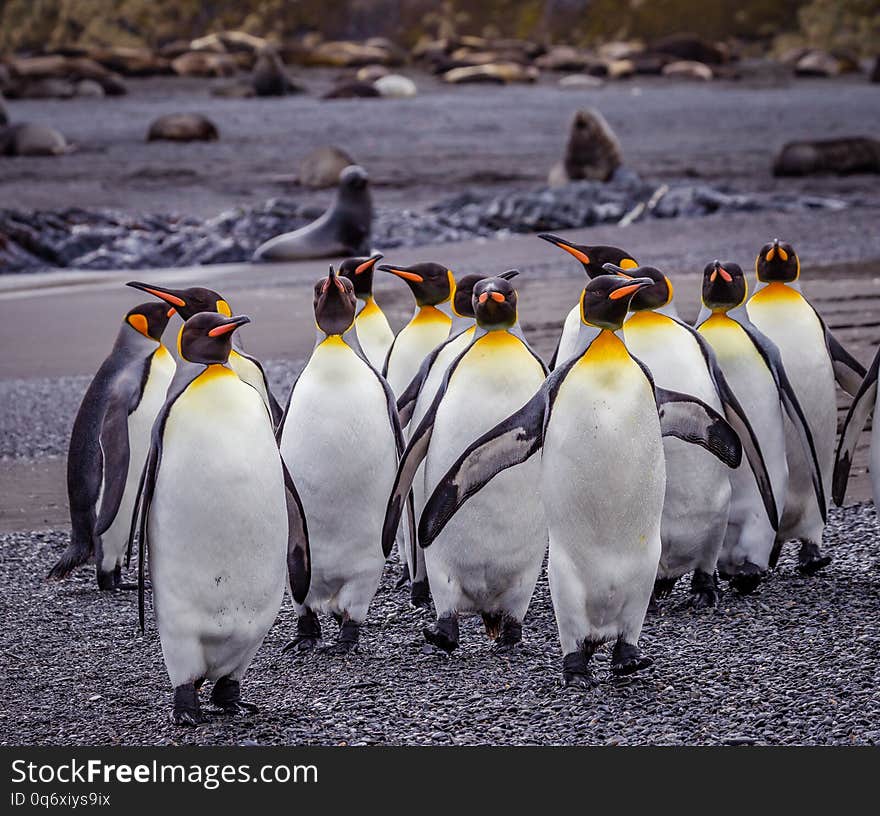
point(187, 302)
point(353, 178)
point(207, 337)
point(494, 301)
point(149, 319)
point(335, 304)
point(592, 258)
point(777, 262)
point(360, 272)
point(606, 299)
point(724, 286)
point(431, 283)
point(651, 297)
point(462, 301)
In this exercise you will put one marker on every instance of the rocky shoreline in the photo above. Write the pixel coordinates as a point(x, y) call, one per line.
point(105, 239)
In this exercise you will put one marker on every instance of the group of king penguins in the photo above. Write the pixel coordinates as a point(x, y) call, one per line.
point(648, 449)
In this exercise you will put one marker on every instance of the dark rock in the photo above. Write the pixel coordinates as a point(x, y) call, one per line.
point(841, 156)
point(875, 72)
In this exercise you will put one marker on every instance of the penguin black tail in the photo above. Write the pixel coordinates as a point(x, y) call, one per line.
point(77, 553)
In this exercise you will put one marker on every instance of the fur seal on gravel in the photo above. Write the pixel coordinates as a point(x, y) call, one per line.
point(323, 166)
point(183, 127)
point(26, 139)
point(269, 77)
point(343, 230)
point(841, 156)
point(592, 152)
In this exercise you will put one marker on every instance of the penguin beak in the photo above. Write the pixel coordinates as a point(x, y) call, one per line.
point(720, 270)
point(776, 251)
point(229, 325)
point(368, 264)
point(405, 274)
point(630, 288)
point(568, 246)
point(171, 296)
point(612, 269)
point(496, 296)
point(510, 274)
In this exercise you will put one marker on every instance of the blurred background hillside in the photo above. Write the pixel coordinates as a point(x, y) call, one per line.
point(40, 25)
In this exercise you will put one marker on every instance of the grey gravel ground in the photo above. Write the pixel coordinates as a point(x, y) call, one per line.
point(795, 663)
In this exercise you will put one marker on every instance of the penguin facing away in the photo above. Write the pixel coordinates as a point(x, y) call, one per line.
point(592, 259)
point(814, 359)
point(433, 286)
point(373, 332)
point(864, 404)
point(341, 436)
point(109, 444)
point(189, 302)
point(698, 490)
point(220, 518)
point(488, 557)
point(597, 411)
point(415, 401)
point(753, 366)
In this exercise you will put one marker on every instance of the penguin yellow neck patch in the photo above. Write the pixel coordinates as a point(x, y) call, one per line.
point(647, 320)
point(606, 349)
point(214, 372)
point(371, 309)
point(430, 314)
point(777, 292)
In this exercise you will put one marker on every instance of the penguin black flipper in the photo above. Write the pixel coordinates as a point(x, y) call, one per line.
point(299, 558)
point(771, 356)
point(848, 371)
point(691, 420)
point(511, 442)
point(859, 411)
point(553, 360)
point(739, 421)
point(406, 403)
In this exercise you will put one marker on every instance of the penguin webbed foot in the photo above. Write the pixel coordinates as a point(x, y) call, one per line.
point(810, 559)
point(746, 578)
point(308, 634)
point(627, 658)
point(187, 711)
point(420, 594)
point(664, 586)
point(347, 640)
point(508, 637)
point(704, 591)
point(576, 671)
point(443, 634)
point(403, 578)
point(226, 699)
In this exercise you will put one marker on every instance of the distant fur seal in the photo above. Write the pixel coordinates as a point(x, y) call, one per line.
point(323, 166)
point(592, 152)
point(270, 77)
point(183, 127)
point(343, 230)
point(26, 139)
point(4, 116)
point(841, 156)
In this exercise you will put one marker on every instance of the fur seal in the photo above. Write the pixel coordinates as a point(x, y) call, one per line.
point(26, 139)
point(322, 167)
point(183, 127)
point(343, 230)
point(269, 77)
point(841, 156)
point(4, 116)
point(592, 152)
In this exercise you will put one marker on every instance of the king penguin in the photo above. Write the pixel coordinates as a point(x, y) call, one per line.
point(433, 287)
point(341, 436)
point(813, 359)
point(415, 401)
point(220, 518)
point(487, 559)
point(189, 302)
point(600, 421)
point(698, 490)
point(592, 258)
point(753, 366)
point(109, 444)
point(373, 332)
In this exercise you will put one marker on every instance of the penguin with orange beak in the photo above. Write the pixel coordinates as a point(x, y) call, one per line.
point(196, 299)
point(373, 332)
point(109, 444)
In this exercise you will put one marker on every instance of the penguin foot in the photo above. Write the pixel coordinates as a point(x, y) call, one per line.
point(238, 708)
point(704, 591)
point(626, 658)
point(308, 634)
point(509, 636)
point(420, 594)
point(810, 559)
point(347, 641)
point(226, 698)
point(663, 586)
point(187, 710)
point(747, 577)
point(444, 633)
point(576, 672)
point(108, 581)
point(403, 579)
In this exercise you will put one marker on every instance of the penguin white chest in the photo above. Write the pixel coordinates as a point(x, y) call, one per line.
point(417, 339)
point(249, 372)
point(570, 329)
point(217, 529)
point(374, 334)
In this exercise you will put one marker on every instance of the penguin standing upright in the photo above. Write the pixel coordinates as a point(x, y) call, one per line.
point(373, 332)
point(599, 420)
point(218, 514)
point(864, 404)
point(341, 436)
point(813, 359)
point(697, 502)
point(433, 287)
point(109, 444)
point(189, 302)
point(752, 365)
point(416, 400)
point(592, 258)
point(488, 557)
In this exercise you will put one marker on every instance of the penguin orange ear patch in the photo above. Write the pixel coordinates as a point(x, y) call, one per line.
point(628, 263)
point(223, 308)
point(139, 323)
